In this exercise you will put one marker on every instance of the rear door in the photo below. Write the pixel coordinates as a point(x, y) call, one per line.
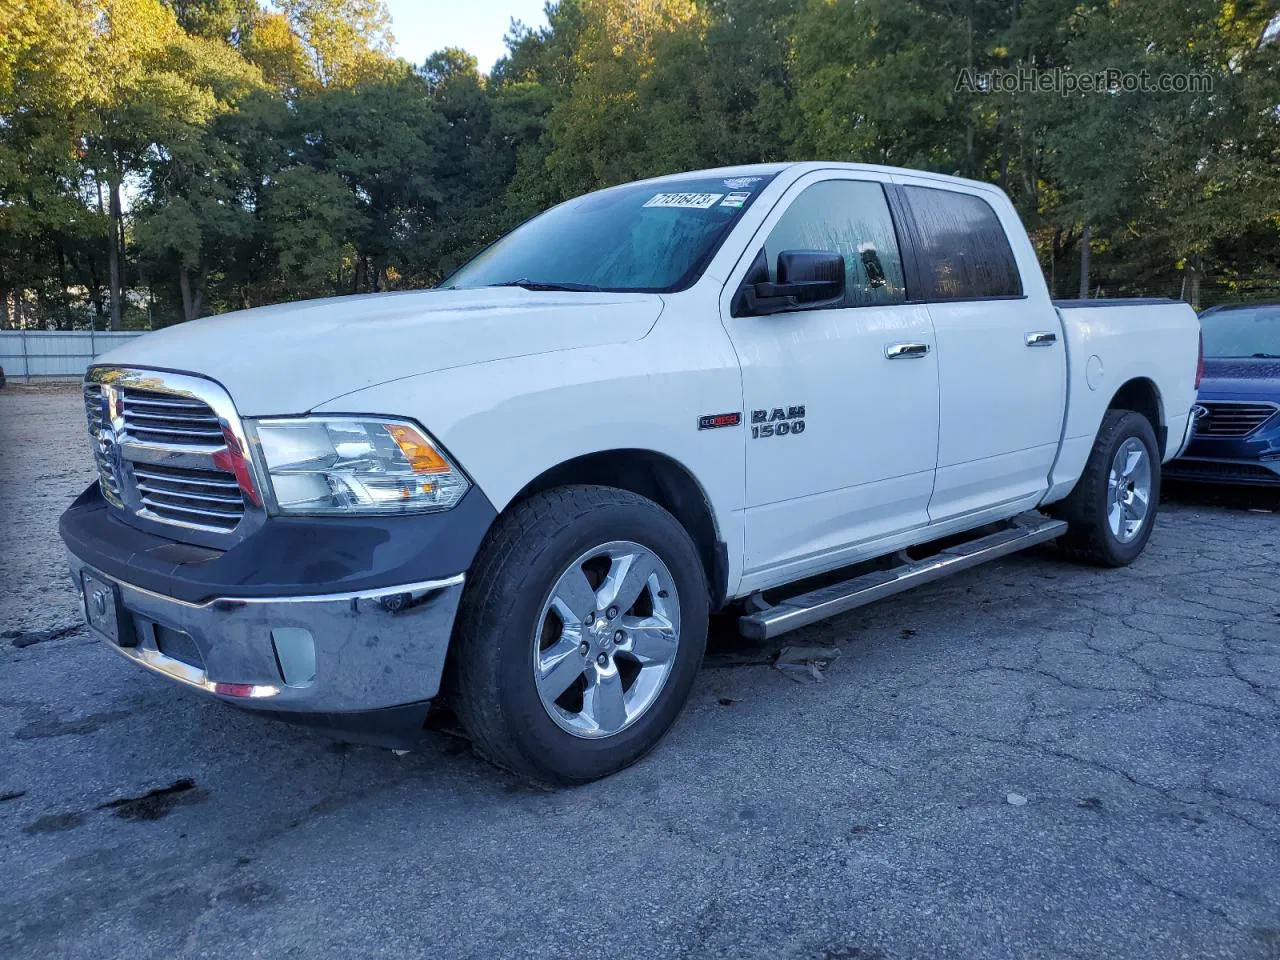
point(841, 439)
point(1001, 355)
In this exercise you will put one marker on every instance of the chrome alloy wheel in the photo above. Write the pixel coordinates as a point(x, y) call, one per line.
point(1129, 490)
point(606, 639)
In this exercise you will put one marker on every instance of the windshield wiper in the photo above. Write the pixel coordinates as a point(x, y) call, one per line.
point(545, 285)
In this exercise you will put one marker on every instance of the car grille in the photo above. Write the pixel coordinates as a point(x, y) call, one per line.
point(151, 417)
point(94, 415)
point(1231, 419)
point(169, 427)
point(1220, 470)
point(206, 498)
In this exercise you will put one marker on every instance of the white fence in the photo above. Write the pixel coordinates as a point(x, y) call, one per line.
point(54, 353)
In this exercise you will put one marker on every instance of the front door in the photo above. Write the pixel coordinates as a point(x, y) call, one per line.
point(841, 402)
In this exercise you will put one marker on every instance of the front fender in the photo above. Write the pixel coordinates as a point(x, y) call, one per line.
point(508, 421)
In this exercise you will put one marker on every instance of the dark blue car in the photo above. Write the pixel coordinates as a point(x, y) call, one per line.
point(1236, 436)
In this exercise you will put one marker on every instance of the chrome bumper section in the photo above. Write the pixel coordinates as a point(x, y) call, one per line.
point(326, 653)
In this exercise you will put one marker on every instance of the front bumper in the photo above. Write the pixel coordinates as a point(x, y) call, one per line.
point(337, 653)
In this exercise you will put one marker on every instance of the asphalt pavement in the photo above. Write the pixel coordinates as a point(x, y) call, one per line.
point(1031, 759)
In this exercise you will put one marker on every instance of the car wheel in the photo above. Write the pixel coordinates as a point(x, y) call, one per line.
point(580, 634)
point(1112, 510)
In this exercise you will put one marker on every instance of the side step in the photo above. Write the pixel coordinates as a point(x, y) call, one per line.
point(1023, 531)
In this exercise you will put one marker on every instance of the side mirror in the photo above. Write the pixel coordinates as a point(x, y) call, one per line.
point(807, 280)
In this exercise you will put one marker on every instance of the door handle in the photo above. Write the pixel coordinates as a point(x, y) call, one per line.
point(906, 351)
point(1042, 338)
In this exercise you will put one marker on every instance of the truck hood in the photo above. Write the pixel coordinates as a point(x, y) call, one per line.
point(291, 357)
point(1240, 379)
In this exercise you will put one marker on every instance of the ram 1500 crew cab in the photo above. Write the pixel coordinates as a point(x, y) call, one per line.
point(792, 389)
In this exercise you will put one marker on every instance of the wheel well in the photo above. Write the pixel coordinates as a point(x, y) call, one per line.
point(660, 479)
point(1141, 396)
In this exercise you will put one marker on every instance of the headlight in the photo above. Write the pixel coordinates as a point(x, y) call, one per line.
point(355, 465)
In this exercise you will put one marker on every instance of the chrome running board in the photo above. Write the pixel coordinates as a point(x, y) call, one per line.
point(1024, 530)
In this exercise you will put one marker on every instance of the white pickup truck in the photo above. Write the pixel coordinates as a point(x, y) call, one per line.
point(787, 390)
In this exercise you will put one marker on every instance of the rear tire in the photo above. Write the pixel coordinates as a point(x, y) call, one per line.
point(1112, 510)
point(520, 634)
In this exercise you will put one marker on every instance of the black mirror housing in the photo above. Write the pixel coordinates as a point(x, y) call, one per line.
point(807, 280)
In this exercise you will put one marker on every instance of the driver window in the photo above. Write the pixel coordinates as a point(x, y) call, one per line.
point(850, 217)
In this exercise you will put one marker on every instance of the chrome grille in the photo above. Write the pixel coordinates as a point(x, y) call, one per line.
point(207, 498)
point(1232, 418)
point(94, 414)
point(163, 445)
point(151, 417)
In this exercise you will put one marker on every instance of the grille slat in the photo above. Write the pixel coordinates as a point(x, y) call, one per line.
point(208, 510)
point(141, 401)
point(178, 418)
point(1233, 419)
point(186, 496)
point(158, 434)
point(184, 479)
point(197, 498)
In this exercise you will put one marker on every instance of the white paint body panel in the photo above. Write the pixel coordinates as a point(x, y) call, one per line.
point(1001, 403)
point(1157, 342)
point(514, 382)
point(814, 495)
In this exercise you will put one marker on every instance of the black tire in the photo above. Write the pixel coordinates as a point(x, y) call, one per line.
point(1089, 536)
point(490, 676)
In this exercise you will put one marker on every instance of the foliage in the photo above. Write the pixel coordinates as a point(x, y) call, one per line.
point(163, 159)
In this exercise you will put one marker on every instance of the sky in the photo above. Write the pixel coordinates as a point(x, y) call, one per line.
point(422, 27)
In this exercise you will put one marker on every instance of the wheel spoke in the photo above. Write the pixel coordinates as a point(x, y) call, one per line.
point(625, 582)
point(1114, 517)
point(650, 639)
point(559, 667)
point(1135, 509)
point(573, 597)
point(604, 700)
point(1133, 460)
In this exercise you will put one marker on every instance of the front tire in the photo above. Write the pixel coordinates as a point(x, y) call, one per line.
point(1112, 510)
point(581, 632)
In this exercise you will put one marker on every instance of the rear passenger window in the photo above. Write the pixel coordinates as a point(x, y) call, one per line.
point(849, 217)
point(964, 252)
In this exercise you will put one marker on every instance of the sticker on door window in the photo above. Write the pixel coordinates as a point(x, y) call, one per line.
point(684, 201)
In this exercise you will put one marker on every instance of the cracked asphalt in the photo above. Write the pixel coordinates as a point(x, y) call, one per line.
point(867, 816)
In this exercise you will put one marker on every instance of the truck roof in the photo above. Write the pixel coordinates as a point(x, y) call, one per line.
point(805, 166)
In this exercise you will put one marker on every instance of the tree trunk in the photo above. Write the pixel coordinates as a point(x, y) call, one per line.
point(1085, 242)
point(66, 292)
point(113, 241)
point(95, 294)
point(184, 284)
point(1195, 270)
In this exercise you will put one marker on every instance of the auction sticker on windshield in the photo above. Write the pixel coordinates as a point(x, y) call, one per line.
point(684, 201)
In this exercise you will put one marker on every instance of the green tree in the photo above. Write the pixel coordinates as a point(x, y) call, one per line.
point(348, 40)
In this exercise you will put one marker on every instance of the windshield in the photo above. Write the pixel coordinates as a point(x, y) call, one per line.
point(1242, 332)
point(654, 237)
